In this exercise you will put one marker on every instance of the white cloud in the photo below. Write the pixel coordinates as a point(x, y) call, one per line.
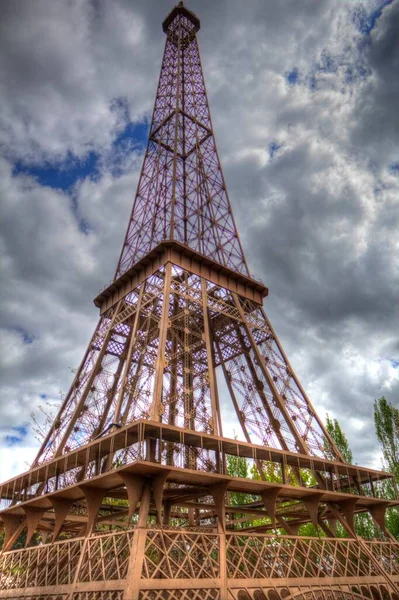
point(15, 460)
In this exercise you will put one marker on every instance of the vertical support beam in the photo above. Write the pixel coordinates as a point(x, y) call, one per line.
point(189, 408)
point(218, 491)
point(176, 140)
point(137, 550)
point(236, 407)
point(65, 402)
point(265, 403)
point(224, 592)
point(216, 416)
point(129, 355)
point(173, 375)
point(119, 404)
point(88, 385)
point(158, 484)
point(302, 446)
point(132, 385)
point(166, 512)
point(331, 442)
point(160, 362)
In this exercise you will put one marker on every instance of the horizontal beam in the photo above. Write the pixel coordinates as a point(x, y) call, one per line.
point(186, 258)
point(91, 586)
point(142, 429)
point(112, 479)
point(211, 583)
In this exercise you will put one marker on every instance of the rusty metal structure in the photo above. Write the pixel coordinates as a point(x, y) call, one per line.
point(132, 495)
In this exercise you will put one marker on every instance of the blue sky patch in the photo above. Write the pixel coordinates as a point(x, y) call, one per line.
point(133, 138)
point(135, 134)
point(394, 168)
point(63, 175)
point(60, 175)
point(273, 148)
point(17, 437)
point(365, 22)
point(26, 336)
point(292, 77)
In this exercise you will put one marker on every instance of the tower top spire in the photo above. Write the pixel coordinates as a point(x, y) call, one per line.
point(178, 11)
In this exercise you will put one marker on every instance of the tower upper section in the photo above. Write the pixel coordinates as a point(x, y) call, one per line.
point(182, 194)
point(173, 19)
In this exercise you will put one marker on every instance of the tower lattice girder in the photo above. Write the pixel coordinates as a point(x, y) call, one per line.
point(131, 492)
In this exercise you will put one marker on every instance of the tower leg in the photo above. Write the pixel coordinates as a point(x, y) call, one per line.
point(223, 564)
point(132, 589)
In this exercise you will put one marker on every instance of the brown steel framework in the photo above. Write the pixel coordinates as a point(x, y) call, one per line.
point(129, 496)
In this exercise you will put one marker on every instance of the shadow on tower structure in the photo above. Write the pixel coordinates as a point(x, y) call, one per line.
point(130, 496)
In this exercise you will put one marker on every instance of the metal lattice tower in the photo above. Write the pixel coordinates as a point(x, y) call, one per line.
point(132, 495)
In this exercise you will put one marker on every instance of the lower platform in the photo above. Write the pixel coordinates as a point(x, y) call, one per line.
point(202, 564)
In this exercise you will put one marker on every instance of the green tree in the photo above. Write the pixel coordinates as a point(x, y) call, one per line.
point(237, 466)
point(386, 420)
point(340, 439)
point(364, 524)
point(20, 543)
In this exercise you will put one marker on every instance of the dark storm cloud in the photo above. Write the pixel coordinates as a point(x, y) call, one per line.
point(377, 123)
point(306, 160)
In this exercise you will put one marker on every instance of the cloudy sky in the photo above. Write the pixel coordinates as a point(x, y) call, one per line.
point(304, 99)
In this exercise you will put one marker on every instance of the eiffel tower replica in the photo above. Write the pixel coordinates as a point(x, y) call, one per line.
point(136, 493)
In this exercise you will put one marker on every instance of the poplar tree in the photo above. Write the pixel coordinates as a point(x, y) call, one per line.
point(340, 439)
point(363, 522)
point(386, 419)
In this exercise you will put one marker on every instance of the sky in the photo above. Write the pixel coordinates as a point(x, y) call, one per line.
point(304, 99)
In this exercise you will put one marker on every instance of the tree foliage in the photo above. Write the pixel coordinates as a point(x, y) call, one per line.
point(386, 420)
point(340, 439)
point(237, 466)
point(364, 524)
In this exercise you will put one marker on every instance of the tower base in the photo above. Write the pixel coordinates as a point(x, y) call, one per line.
point(156, 563)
